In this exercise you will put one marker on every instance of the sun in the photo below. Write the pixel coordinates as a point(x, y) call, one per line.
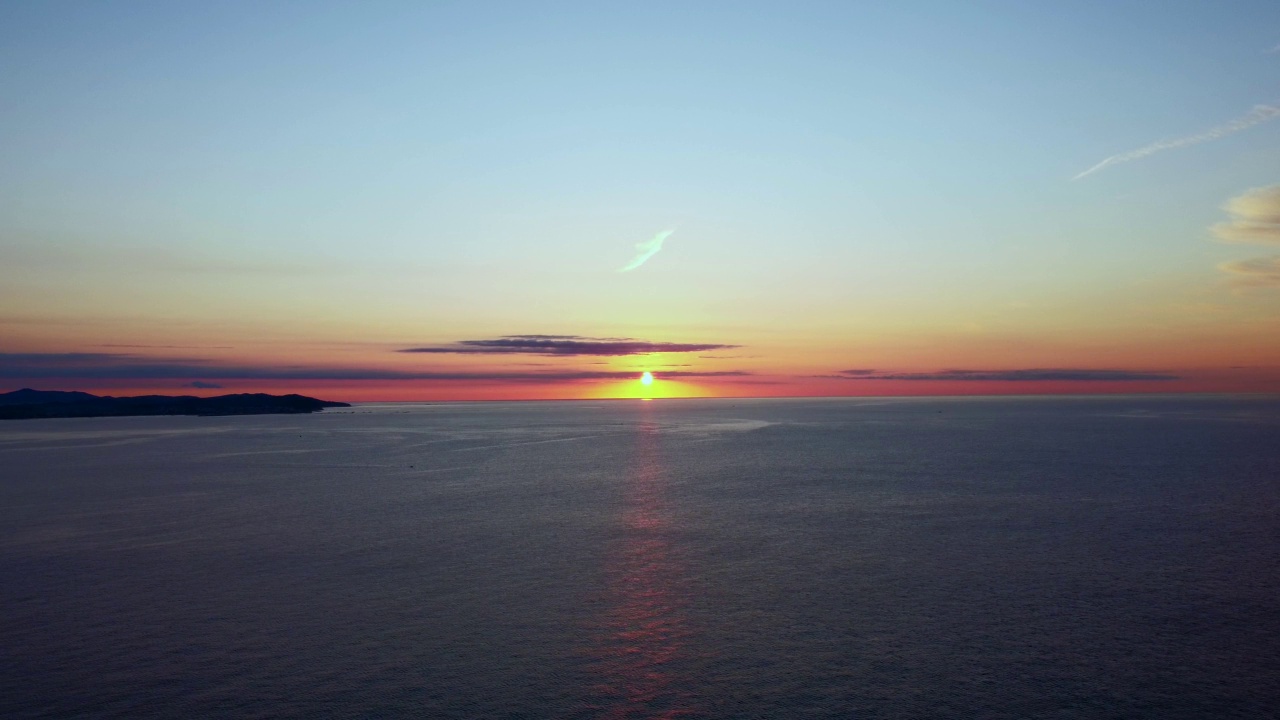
point(646, 378)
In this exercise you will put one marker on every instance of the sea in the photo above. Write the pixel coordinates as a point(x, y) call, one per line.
point(1031, 557)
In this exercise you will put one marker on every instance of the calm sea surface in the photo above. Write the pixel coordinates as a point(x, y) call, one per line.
point(1003, 558)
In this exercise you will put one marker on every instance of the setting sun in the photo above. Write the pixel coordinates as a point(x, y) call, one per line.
point(646, 378)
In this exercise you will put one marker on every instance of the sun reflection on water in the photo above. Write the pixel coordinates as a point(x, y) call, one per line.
point(643, 641)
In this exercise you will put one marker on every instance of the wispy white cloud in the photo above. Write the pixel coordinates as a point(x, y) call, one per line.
point(646, 250)
point(1255, 218)
point(1259, 114)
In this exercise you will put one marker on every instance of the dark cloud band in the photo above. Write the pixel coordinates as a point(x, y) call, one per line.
point(110, 366)
point(565, 345)
point(1027, 375)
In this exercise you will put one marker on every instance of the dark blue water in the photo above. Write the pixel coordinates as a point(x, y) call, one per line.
point(1005, 558)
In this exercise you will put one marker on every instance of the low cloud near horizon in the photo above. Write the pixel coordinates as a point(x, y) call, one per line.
point(104, 366)
point(565, 345)
point(1021, 375)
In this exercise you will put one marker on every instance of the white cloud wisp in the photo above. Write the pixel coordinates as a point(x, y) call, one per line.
point(646, 250)
point(1258, 115)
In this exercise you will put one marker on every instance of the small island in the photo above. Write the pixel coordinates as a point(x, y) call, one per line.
point(28, 404)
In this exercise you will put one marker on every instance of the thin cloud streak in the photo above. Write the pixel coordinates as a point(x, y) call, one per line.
point(168, 347)
point(565, 345)
point(1258, 115)
point(1023, 375)
point(646, 250)
point(1257, 272)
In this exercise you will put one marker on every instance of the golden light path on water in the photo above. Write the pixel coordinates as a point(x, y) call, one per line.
point(642, 637)
point(657, 388)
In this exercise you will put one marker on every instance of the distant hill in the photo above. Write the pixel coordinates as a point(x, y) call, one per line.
point(27, 396)
point(27, 404)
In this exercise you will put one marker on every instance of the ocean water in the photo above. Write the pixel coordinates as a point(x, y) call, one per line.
point(854, 558)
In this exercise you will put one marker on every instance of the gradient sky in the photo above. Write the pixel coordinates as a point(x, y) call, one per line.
point(862, 198)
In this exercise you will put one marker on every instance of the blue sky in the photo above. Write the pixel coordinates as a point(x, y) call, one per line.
point(461, 165)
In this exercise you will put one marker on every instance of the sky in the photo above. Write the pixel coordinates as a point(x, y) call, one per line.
point(478, 201)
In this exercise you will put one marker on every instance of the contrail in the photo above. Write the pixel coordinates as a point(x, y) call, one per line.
point(646, 250)
point(1259, 114)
